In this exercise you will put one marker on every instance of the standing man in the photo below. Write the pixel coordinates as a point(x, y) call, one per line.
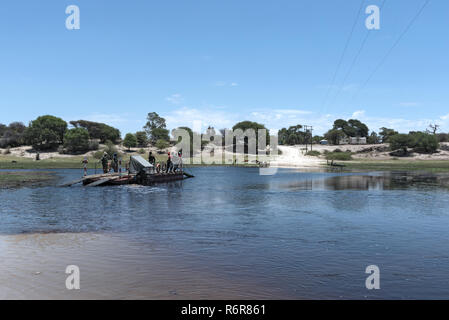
point(169, 163)
point(104, 162)
point(85, 162)
point(151, 158)
point(115, 162)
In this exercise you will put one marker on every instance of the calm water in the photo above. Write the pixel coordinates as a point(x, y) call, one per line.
point(292, 235)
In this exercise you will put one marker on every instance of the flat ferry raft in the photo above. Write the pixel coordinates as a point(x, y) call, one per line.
point(140, 172)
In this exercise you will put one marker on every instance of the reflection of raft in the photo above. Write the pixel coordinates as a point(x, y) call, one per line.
point(141, 172)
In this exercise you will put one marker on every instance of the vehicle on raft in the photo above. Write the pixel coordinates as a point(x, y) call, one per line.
point(140, 172)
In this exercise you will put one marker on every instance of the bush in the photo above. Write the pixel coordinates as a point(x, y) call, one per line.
point(400, 142)
point(313, 153)
point(46, 132)
point(162, 144)
point(419, 141)
point(130, 141)
point(142, 151)
point(7, 151)
point(110, 149)
point(93, 145)
point(424, 142)
point(341, 156)
point(76, 140)
point(98, 155)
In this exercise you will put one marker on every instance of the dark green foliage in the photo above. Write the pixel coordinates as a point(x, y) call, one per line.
point(130, 141)
point(245, 125)
point(76, 140)
point(12, 135)
point(424, 142)
point(97, 130)
point(334, 135)
point(385, 134)
point(46, 132)
point(341, 156)
point(156, 128)
point(162, 144)
point(351, 128)
point(373, 138)
point(294, 135)
point(142, 139)
point(400, 142)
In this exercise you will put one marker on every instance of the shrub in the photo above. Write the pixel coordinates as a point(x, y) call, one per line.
point(141, 151)
point(313, 153)
point(110, 149)
point(424, 142)
point(93, 145)
point(98, 154)
point(162, 144)
point(7, 151)
point(400, 142)
point(130, 141)
point(76, 140)
point(46, 132)
point(341, 156)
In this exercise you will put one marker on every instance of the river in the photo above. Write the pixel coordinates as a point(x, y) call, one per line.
point(229, 233)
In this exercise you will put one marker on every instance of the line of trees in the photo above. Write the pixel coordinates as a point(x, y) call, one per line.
point(156, 133)
point(419, 141)
point(50, 133)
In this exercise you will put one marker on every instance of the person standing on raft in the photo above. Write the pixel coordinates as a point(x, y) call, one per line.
point(104, 162)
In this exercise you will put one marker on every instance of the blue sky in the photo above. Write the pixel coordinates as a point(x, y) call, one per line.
point(220, 62)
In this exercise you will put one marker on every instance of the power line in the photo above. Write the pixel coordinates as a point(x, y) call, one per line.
point(354, 61)
point(344, 53)
point(392, 48)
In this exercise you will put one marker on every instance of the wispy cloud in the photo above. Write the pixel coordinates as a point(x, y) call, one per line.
point(175, 99)
point(225, 84)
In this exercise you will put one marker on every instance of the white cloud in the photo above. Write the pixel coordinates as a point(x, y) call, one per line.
point(225, 84)
point(209, 116)
point(107, 118)
point(358, 114)
point(175, 99)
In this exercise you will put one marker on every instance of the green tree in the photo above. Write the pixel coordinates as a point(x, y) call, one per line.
point(162, 144)
point(334, 136)
point(245, 125)
point(130, 141)
point(76, 140)
point(156, 128)
point(99, 131)
point(352, 127)
point(12, 135)
point(400, 142)
point(424, 142)
point(142, 140)
point(385, 134)
point(46, 132)
point(373, 138)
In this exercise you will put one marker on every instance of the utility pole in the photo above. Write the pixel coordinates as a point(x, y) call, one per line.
point(309, 129)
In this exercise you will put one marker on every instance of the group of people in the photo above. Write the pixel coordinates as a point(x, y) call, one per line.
point(170, 166)
point(114, 163)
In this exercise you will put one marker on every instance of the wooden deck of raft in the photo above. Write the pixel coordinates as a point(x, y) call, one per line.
point(125, 178)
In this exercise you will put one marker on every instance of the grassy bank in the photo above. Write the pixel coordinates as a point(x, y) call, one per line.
point(399, 165)
point(13, 179)
point(75, 162)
